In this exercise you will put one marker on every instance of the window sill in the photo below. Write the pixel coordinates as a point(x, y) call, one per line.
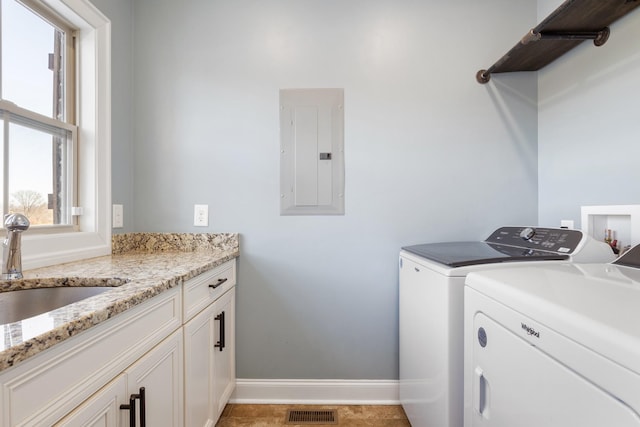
point(49, 249)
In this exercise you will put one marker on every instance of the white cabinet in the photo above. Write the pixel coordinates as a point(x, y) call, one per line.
point(153, 383)
point(209, 337)
point(185, 363)
point(224, 355)
point(198, 370)
point(159, 372)
point(51, 384)
point(101, 410)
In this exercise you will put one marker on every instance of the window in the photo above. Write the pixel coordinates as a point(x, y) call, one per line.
point(36, 113)
point(55, 127)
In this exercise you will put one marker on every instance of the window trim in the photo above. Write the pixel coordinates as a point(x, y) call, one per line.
point(93, 112)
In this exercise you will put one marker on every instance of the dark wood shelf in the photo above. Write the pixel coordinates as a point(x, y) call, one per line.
point(573, 22)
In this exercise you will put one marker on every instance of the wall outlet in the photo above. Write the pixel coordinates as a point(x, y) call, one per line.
point(566, 223)
point(117, 216)
point(201, 215)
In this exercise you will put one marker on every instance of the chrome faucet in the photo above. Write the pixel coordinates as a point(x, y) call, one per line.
point(15, 224)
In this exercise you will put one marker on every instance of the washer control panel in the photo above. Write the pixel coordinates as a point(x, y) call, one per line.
point(558, 240)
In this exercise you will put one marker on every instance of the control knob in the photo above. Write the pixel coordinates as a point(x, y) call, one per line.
point(527, 233)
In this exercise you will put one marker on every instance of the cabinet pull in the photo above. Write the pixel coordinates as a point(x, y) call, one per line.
point(220, 282)
point(131, 407)
point(220, 343)
point(143, 408)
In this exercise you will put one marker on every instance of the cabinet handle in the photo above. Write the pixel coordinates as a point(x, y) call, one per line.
point(220, 282)
point(220, 343)
point(131, 407)
point(143, 408)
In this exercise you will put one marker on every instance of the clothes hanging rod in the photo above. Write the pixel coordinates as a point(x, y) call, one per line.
point(599, 37)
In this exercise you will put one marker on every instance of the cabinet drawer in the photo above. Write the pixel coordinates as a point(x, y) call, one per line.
point(204, 289)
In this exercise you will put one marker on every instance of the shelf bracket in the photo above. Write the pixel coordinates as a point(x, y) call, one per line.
point(483, 76)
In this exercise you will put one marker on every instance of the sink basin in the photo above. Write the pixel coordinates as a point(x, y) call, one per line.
point(22, 304)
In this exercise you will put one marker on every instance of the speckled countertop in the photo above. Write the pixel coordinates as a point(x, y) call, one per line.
point(142, 266)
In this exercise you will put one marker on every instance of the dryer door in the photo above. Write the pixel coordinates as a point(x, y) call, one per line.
point(516, 384)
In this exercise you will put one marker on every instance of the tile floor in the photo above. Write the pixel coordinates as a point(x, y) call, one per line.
point(348, 415)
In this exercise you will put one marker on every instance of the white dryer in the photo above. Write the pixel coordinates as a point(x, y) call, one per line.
point(431, 298)
point(554, 345)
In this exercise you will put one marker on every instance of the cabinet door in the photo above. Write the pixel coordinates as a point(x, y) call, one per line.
point(199, 335)
point(224, 371)
point(102, 409)
point(160, 373)
point(209, 369)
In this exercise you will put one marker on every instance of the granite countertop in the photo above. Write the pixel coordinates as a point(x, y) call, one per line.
point(142, 265)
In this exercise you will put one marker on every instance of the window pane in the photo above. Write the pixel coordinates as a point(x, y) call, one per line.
point(31, 70)
point(37, 174)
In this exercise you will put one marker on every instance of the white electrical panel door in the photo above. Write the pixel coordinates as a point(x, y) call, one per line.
point(311, 152)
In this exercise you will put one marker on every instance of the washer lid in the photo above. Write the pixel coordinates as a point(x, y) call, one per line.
point(459, 254)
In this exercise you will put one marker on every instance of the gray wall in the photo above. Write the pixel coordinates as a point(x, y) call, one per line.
point(430, 155)
point(120, 12)
point(588, 125)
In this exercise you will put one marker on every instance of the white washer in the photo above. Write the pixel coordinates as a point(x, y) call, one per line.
point(554, 345)
point(431, 309)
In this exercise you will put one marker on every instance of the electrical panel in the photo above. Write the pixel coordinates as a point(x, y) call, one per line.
point(312, 152)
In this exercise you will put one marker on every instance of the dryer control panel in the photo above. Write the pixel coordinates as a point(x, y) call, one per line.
point(559, 240)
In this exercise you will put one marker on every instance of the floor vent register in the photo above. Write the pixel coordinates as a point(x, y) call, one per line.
point(295, 416)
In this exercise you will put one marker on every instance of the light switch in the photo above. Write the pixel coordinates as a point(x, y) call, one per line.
point(201, 215)
point(117, 216)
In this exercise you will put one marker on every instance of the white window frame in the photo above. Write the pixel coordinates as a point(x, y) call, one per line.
point(93, 113)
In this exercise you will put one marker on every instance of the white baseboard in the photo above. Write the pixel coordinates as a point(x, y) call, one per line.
point(317, 392)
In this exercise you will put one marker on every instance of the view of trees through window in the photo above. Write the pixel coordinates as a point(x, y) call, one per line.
point(33, 205)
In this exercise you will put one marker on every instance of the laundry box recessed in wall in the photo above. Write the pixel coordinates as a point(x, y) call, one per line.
point(622, 220)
